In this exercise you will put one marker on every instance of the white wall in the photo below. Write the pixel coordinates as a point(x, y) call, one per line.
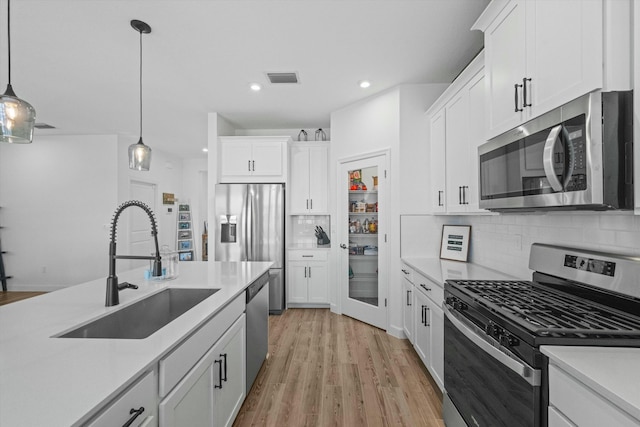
point(195, 191)
point(57, 196)
point(392, 120)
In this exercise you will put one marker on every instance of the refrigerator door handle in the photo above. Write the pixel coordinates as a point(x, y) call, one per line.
point(246, 226)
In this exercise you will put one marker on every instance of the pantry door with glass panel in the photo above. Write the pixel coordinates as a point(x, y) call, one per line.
point(362, 230)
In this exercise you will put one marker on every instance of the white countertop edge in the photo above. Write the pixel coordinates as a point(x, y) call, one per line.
point(439, 270)
point(611, 372)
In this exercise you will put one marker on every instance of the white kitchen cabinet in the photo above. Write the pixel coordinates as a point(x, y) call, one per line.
point(407, 304)
point(308, 179)
point(542, 54)
point(571, 402)
point(213, 390)
point(308, 279)
point(437, 123)
point(253, 159)
point(457, 129)
point(429, 327)
point(137, 404)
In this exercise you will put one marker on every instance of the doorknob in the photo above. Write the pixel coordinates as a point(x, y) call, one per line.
point(343, 246)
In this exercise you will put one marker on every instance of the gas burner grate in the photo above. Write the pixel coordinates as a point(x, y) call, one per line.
point(547, 312)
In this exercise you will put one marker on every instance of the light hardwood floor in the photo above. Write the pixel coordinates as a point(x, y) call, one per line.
point(330, 370)
point(8, 297)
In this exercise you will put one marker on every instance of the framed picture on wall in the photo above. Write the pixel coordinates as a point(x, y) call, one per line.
point(184, 234)
point(455, 242)
point(186, 256)
point(184, 245)
point(184, 216)
point(184, 225)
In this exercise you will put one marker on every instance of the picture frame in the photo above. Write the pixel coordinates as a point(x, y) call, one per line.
point(184, 225)
point(184, 245)
point(185, 256)
point(183, 208)
point(455, 242)
point(184, 216)
point(184, 234)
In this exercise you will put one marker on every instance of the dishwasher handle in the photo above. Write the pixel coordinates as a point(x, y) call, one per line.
point(254, 288)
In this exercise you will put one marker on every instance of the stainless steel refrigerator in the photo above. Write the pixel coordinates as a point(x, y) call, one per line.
point(250, 227)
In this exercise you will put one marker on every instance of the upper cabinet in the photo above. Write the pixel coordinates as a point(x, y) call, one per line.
point(542, 54)
point(308, 178)
point(253, 159)
point(457, 126)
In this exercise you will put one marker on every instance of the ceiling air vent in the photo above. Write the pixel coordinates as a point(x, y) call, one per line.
point(43, 126)
point(283, 77)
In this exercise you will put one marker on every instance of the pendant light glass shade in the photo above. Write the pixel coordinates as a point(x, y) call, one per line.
point(17, 117)
point(140, 154)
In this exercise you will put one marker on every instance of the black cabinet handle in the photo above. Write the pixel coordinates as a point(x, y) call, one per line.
point(426, 316)
point(524, 92)
point(405, 271)
point(422, 285)
point(311, 204)
point(464, 194)
point(459, 195)
point(440, 198)
point(408, 297)
point(136, 413)
point(249, 165)
point(309, 272)
point(307, 203)
point(515, 92)
point(305, 272)
point(422, 315)
point(219, 385)
point(253, 165)
point(224, 356)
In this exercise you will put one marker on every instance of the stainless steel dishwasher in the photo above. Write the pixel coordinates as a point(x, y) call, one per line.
point(257, 326)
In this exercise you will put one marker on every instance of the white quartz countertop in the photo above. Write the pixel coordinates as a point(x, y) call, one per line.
point(439, 270)
point(612, 372)
point(62, 381)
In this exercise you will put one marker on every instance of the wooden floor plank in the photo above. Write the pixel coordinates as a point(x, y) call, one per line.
point(330, 370)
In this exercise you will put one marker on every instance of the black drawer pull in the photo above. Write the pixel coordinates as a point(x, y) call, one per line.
point(424, 287)
point(219, 385)
point(224, 356)
point(136, 413)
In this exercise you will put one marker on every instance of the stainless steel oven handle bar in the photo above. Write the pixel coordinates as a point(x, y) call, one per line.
point(474, 333)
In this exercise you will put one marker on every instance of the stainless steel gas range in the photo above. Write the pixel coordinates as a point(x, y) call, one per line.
point(495, 374)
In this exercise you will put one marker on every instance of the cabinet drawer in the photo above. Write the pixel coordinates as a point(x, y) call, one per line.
point(429, 288)
point(174, 366)
point(556, 419)
point(582, 405)
point(407, 272)
point(141, 395)
point(300, 255)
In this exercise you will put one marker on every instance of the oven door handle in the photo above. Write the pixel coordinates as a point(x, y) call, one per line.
point(472, 332)
point(547, 159)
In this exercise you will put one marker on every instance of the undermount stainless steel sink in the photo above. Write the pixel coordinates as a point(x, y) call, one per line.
point(143, 318)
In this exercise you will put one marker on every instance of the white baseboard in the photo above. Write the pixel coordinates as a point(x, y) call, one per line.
point(397, 332)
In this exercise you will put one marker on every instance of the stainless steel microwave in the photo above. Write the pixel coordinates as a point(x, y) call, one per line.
point(578, 156)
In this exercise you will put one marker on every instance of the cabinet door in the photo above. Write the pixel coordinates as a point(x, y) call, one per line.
point(438, 157)
point(477, 130)
point(235, 159)
point(505, 64)
point(421, 337)
point(318, 182)
point(435, 319)
point(297, 283)
point(407, 308)
point(140, 397)
point(318, 282)
point(299, 180)
point(457, 147)
point(267, 158)
point(564, 51)
point(191, 401)
point(231, 350)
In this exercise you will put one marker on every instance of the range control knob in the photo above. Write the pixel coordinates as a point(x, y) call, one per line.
point(509, 340)
point(494, 330)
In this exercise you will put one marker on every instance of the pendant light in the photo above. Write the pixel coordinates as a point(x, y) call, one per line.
point(17, 117)
point(140, 154)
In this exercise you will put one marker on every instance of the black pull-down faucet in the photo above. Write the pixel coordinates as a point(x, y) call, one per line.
point(113, 288)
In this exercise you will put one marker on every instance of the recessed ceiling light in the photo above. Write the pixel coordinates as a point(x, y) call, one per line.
point(205, 150)
point(255, 87)
point(364, 84)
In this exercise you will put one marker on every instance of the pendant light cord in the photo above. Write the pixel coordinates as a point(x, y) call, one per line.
point(140, 85)
point(9, 38)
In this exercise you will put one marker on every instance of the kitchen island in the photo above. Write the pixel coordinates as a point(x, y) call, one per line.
point(52, 381)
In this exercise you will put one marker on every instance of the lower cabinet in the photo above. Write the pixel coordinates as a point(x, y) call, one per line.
point(407, 309)
point(136, 406)
point(429, 327)
point(308, 279)
point(213, 390)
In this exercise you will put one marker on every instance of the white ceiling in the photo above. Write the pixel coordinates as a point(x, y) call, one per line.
point(77, 61)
